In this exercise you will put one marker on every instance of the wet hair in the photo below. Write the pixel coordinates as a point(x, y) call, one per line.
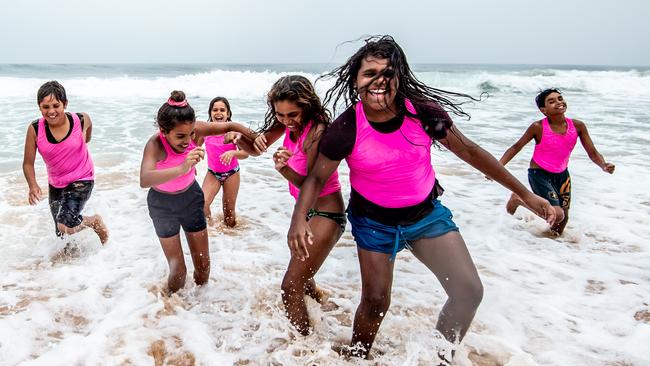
point(51, 88)
point(540, 99)
point(224, 101)
point(170, 116)
point(408, 86)
point(297, 89)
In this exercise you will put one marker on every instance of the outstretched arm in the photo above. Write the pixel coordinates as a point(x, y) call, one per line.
point(29, 156)
point(206, 129)
point(255, 146)
point(588, 144)
point(534, 131)
point(480, 159)
point(299, 233)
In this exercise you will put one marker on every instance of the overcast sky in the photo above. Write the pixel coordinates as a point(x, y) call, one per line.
point(577, 32)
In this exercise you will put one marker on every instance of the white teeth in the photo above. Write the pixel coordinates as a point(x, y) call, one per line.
point(378, 91)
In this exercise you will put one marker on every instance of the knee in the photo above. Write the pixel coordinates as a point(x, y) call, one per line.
point(470, 294)
point(376, 303)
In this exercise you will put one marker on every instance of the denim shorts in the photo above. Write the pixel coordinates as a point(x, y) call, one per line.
point(390, 239)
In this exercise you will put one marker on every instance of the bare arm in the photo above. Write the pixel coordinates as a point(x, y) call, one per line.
point(534, 131)
point(311, 148)
point(29, 157)
point(257, 146)
point(299, 233)
point(588, 144)
point(88, 127)
point(206, 129)
point(153, 152)
point(480, 159)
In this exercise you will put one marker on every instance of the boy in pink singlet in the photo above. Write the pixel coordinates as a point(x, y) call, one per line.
point(61, 138)
point(555, 137)
point(175, 199)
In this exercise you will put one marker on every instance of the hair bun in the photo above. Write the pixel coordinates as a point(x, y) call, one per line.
point(177, 96)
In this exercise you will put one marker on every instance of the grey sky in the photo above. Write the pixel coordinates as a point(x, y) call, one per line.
point(287, 31)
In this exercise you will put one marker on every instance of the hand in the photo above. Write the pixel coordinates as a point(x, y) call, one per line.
point(226, 158)
point(298, 237)
point(35, 195)
point(260, 144)
point(231, 137)
point(541, 207)
point(608, 168)
point(281, 157)
point(193, 158)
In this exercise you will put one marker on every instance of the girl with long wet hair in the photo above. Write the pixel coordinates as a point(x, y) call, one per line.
point(295, 112)
point(385, 135)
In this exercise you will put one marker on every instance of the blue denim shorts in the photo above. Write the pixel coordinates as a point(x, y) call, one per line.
point(377, 237)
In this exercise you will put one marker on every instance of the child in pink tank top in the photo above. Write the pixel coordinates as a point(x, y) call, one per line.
point(295, 112)
point(555, 137)
point(377, 136)
point(223, 165)
point(61, 138)
point(175, 199)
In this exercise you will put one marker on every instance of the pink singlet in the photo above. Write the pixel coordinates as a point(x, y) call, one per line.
point(214, 147)
point(394, 169)
point(298, 162)
point(554, 149)
point(174, 159)
point(69, 160)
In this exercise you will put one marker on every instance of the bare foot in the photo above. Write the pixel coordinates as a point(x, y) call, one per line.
point(100, 229)
point(513, 203)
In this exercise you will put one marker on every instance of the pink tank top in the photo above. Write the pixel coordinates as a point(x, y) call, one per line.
point(69, 160)
point(554, 149)
point(174, 159)
point(394, 169)
point(298, 162)
point(214, 147)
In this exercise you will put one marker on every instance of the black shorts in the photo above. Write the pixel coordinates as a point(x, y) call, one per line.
point(555, 187)
point(171, 211)
point(66, 203)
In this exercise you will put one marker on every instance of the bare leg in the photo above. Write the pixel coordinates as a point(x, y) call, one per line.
point(230, 191)
point(447, 257)
point(174, 254)
point(94, 222)
point(210, 187)
point(299, 278)
point(376, 284)
point(199, 248)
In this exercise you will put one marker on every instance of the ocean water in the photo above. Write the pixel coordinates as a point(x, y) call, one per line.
point(581, 299)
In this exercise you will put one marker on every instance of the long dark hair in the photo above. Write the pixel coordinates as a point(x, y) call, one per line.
point(408, 86)
point(297, 89)
point(224, 101)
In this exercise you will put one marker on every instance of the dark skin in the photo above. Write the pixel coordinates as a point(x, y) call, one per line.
point(179, 138)
point(299, 278)
point(554, 109)
point(446, 256)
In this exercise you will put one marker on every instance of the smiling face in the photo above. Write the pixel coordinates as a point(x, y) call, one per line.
point(180, 136)
point(53, 110)
point(554, 104)
point(219, 112)
point(378, 95)
point(289, 114)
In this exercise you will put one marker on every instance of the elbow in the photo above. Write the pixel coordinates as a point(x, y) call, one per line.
point(144, 183)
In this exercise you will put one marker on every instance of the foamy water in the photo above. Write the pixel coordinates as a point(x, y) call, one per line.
point(582, 299)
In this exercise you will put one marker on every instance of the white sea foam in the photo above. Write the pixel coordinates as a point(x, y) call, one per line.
point(581, 299)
